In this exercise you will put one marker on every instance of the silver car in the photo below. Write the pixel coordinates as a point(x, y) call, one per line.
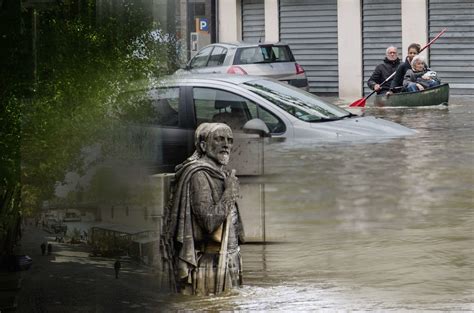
point(174, 107)
point(268, 60)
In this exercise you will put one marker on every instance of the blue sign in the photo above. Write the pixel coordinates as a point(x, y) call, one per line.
point(203, 24)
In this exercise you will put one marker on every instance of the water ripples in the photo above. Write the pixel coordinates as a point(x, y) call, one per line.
point(381, 225)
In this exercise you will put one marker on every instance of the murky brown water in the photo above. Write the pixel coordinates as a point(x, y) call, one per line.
point(386, 225)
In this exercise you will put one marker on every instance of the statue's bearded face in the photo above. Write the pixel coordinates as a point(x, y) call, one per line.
point(218, 145)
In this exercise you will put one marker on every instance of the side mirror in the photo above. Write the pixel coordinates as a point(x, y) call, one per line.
point(256, 126)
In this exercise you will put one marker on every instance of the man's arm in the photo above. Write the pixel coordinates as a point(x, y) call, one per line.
point(375, 79)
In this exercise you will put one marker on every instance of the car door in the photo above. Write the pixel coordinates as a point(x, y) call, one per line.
point(214, 104)
point(159, 133)
point(175, 135)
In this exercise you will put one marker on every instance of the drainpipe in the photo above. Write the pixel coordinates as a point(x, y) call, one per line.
point(216, 19)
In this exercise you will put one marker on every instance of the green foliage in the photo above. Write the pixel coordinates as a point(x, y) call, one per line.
point(82, 65)
point(10, 123)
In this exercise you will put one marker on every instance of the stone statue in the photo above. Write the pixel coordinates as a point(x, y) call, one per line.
point(202, 226)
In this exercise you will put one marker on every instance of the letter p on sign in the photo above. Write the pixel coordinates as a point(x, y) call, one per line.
point(203, 25)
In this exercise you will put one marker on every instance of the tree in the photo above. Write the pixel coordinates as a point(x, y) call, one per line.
point(82, 65)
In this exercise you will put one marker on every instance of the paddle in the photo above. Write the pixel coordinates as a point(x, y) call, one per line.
point(361, 102)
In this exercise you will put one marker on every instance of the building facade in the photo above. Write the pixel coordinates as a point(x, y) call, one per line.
point(339, 42)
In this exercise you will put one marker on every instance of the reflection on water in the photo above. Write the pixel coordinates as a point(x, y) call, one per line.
point(374, 225)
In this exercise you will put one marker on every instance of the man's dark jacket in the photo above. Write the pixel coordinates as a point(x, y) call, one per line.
point(381, 73)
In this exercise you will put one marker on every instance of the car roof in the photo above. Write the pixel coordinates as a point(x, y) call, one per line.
point(240, 44)
point(228, 78)
point(181, 79)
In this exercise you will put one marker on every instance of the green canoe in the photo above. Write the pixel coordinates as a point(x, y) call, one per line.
point(433, 96)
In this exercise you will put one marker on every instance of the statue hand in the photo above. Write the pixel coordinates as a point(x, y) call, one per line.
point(231, 185)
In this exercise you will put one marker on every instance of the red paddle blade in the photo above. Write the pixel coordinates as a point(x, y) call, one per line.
point(358, 103)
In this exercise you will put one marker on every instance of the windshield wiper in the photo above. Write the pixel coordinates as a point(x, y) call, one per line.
point(327, 119)
point(324, 119)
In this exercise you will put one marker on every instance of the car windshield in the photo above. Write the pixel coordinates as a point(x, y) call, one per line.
point(302, 105)
point(263, 54)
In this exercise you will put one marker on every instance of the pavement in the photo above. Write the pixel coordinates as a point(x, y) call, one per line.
point(69, 280)
point(10, 284)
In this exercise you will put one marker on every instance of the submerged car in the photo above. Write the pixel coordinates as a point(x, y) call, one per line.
point(272, 60)
point(174, 107)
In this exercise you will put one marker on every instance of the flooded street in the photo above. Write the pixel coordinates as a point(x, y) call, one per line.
point(376, 225)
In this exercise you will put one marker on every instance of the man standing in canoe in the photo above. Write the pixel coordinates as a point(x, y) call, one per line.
point(384, 70)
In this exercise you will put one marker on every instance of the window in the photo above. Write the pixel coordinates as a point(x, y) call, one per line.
point(217, 56)
point(302, 105)
point(219, 106)
point(263, 54)
point(274, 124)
point(200, 59)
point(158, 107)
point(281, 54)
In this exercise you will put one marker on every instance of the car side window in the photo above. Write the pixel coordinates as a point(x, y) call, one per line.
point(219, 106)
point(217, 56)
point(281, 53)
point(200, 59)
point(274, 124)
point(159, 107)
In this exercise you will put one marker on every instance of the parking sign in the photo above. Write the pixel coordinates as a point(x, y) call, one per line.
point(203, 24)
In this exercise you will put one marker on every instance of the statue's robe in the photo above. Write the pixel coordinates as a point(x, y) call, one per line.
point(194, 224)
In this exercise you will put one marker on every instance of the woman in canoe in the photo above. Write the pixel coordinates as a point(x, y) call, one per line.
point(419, 77)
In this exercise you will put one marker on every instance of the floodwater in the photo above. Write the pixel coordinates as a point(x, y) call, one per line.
point(375, 225)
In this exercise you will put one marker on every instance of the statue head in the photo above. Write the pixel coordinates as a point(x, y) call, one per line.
point(215, 142)
point(201, 135)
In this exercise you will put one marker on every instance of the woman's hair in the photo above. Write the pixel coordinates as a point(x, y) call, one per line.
point(415, 46)
point(416, 59)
